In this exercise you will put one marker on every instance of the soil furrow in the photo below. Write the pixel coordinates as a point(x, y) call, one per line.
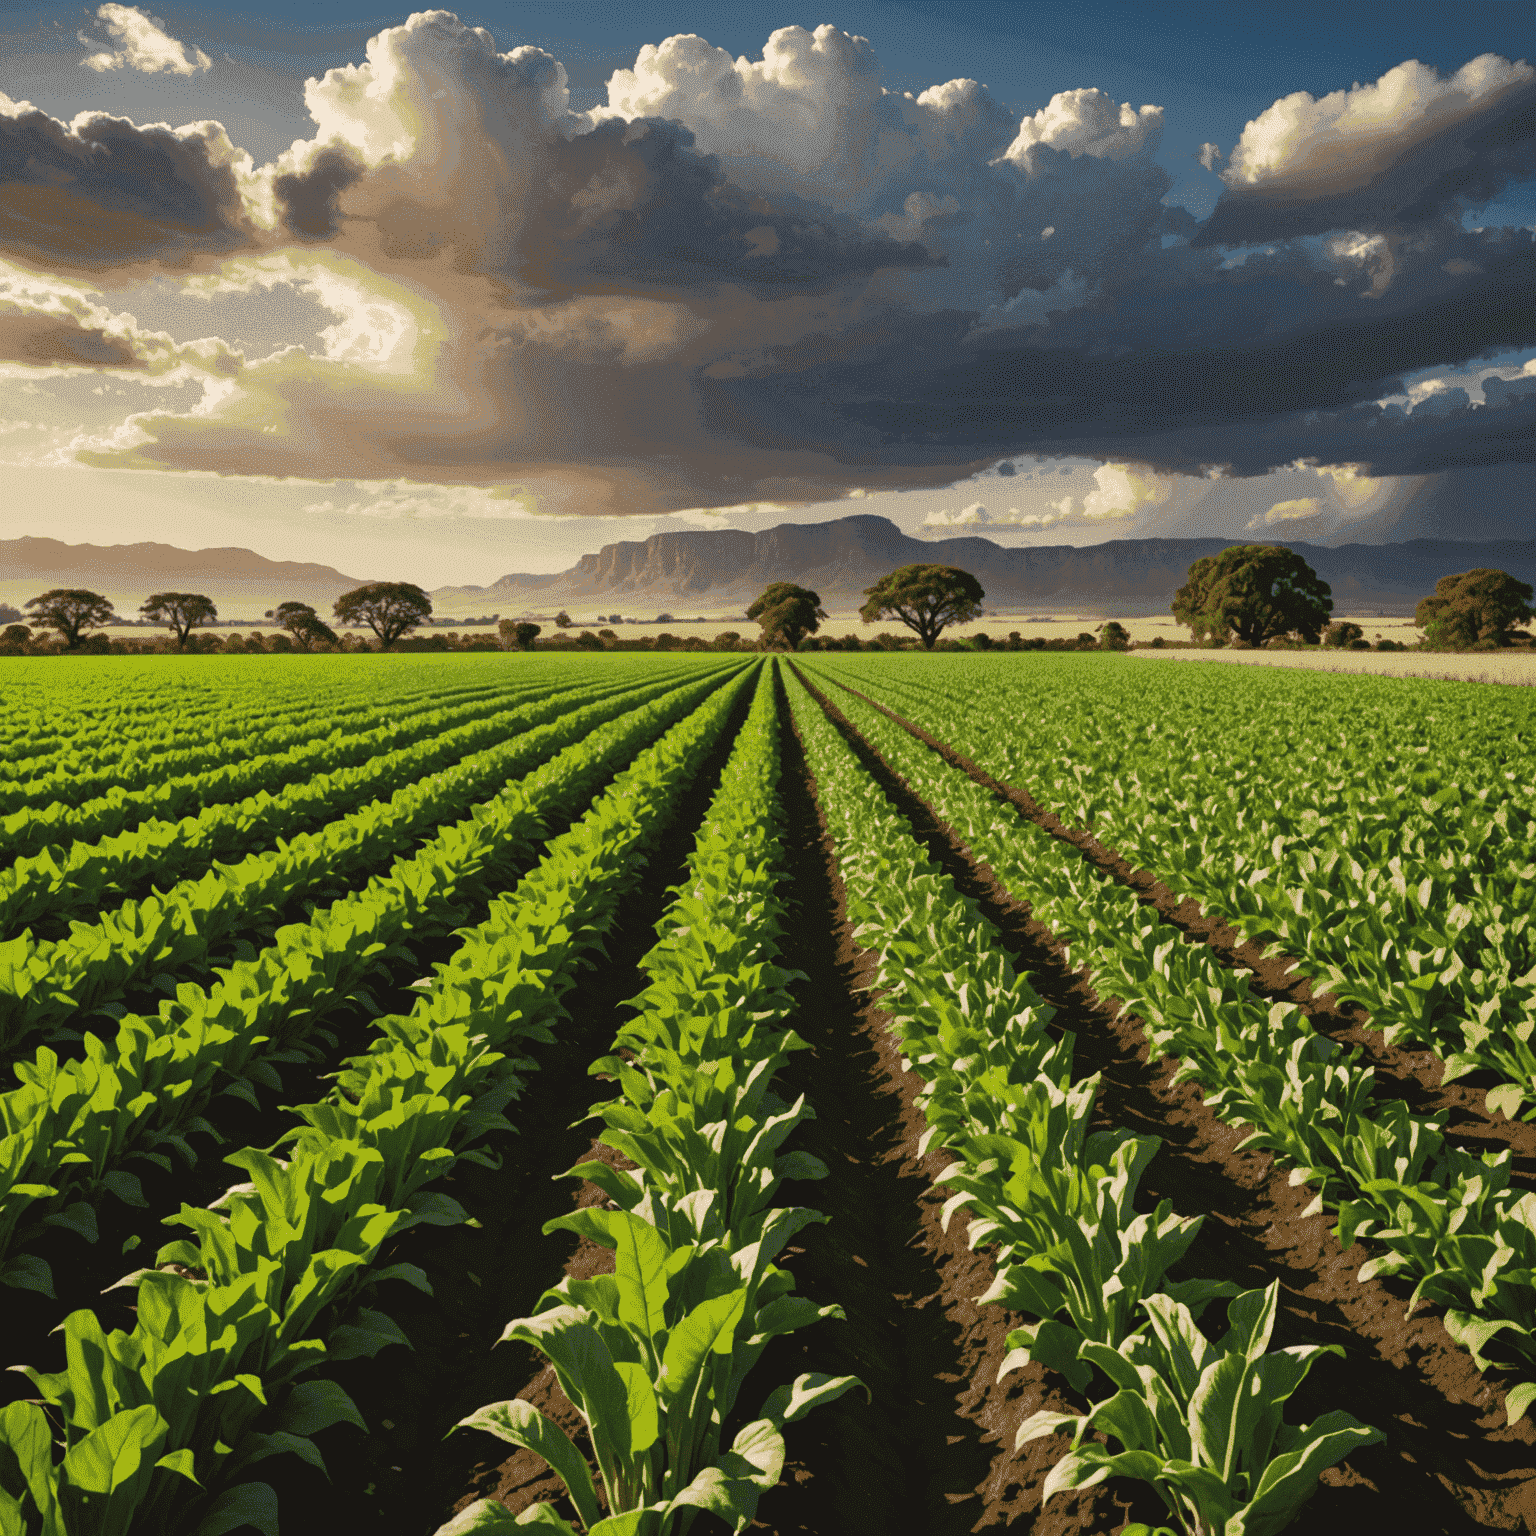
point(404, 1472)
point(932, 1450)
point(1450, 1464)
point(1412, 1075)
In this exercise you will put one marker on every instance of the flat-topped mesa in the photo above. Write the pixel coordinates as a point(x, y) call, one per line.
point(840, 558)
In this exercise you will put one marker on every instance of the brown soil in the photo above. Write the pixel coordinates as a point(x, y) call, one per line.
point(1450, 1464)
point(1411, 1075)
point(405, 1472)
point(933, 1450)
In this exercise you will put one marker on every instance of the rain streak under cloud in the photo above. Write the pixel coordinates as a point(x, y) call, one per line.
point(774, 280)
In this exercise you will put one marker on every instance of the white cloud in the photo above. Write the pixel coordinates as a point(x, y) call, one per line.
point(1087, 122)
point(1301, 510)
point(396, 500)
point(142, 44)
point(973, 516)
point(1120, 491)
point(1351, 485)
point(1340, 142)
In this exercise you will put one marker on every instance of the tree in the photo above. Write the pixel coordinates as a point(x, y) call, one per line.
point(180, 612)
point(1475, 610)
point(1256, 592)
point(926, 598)
point(389, 608)
point(71, 610)
point(523, 635)
point(303, 623)
point(727, 640)
point(562, 620)
point(1113, 636)
point(665, 618)
point(1341, 634)
point(786, 614)
point(587, 641)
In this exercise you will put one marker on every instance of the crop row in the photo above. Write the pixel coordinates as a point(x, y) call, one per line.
point(31, 830)
point(205, 722)
point(1399, 874)
point(59, 883)
point(1447, 1219)
point(1199, 1420)
point(236, 1326)
point(72, 1127)
point(45, 983)
point(655, 1354)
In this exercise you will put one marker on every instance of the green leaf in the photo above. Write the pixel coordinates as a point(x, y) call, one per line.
point(1508, 1097)
point(180, 1462)
point(315, 1405)
point(812, 1390)
point(366, 1334)
point(111, 1455)
point(1518, 1400)
point(709, 1329)
point(27, 1272)
point(640, 1260)
point(1290, 1478)
point(486, 1515)
point(245, 1504)
point(644, 1418)
point(520, 1423)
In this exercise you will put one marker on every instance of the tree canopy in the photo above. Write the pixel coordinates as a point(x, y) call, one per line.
point(515, 634)
point(180, 612)
point(1114, 636)
point(303, 623)
point(1255, 592)
point(389, 608)
point(71, 610)
point(1474, 610)
point(786, 614)
point(1341, 634)
point(926, 598)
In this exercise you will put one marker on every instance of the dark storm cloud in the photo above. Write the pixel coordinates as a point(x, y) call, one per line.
point(310, 198)
point(1196, 364)
point(55, 341)
point(102, 193)
point(633, 204)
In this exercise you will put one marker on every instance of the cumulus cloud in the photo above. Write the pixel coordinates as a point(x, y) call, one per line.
point(45, 323)
point(973, 516)
point(778, 278)
point(1119, 491)
point(143, 44)
point(101, 194)
point(1303, 509)
point(1397, 150)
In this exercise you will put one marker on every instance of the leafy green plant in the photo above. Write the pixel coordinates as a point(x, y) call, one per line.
point(1201, 1421)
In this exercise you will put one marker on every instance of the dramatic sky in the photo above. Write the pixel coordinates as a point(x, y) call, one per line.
point(448, 294)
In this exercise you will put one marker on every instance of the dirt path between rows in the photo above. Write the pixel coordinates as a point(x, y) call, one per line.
point(404, 1474)
point(933, 1449)
point(1411, 1075)
point(1449, 1464)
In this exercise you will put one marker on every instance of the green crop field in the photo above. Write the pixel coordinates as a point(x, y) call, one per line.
point(413, 1067)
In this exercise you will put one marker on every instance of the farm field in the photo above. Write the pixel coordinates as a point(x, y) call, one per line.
point(839, 1093)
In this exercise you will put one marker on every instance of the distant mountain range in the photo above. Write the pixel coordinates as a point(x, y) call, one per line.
point(839, 559)
point(242, 584)
point(723, 571)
